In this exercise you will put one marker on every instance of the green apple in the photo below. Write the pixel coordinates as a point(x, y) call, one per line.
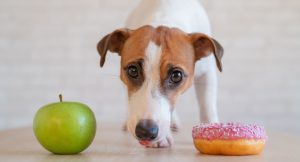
point(65, 127)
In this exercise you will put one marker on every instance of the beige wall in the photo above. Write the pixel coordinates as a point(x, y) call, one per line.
point(48, 47)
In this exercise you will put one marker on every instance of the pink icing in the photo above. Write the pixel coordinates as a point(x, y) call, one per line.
point(228, 131)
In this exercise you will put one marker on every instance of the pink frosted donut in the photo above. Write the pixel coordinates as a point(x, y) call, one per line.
point(229, 138)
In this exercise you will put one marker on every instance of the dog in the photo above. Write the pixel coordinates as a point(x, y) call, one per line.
point(165, 47)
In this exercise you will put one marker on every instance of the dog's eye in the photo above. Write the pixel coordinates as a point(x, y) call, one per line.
point(176, 76)
point(132, 71)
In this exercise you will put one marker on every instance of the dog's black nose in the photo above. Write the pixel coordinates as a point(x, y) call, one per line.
point(146, 129)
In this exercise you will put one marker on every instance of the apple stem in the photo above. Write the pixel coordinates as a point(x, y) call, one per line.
point(60, 97)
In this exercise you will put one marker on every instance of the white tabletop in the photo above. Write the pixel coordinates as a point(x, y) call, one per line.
point(112, 144)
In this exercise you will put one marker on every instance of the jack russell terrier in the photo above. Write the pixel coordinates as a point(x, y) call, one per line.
point(165, 46)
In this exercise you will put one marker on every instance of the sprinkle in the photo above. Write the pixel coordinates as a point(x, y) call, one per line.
point(228, 131)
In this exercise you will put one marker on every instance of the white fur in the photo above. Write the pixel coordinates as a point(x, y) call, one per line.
point(189, 16)
point(147, 102)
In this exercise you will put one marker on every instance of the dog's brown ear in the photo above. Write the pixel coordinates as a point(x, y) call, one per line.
point(113, 42)
point(205, 45)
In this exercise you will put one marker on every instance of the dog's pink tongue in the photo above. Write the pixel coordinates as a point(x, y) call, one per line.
point(145, 143)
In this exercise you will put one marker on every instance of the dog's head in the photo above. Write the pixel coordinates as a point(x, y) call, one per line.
point(157, 65)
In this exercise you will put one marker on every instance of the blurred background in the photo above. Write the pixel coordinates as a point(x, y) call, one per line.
point(49, 47)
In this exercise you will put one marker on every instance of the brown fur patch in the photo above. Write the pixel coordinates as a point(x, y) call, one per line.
point(177, 51)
